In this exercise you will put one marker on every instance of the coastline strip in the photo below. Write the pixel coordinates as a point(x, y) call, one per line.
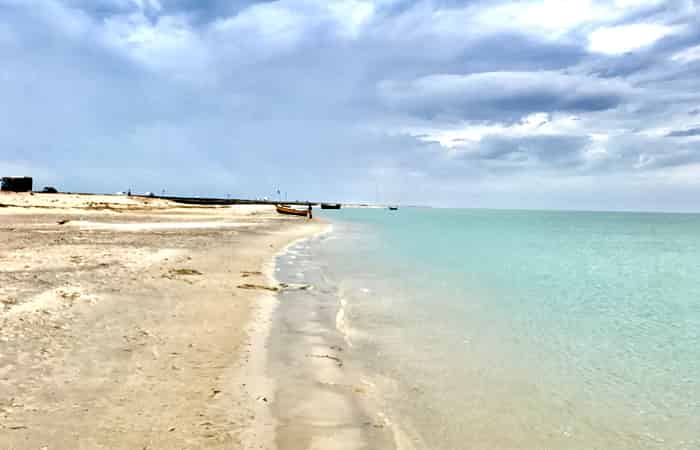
point(318, 402)
point(136, 339)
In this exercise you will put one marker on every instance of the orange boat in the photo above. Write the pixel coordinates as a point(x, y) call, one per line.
point(283, 209)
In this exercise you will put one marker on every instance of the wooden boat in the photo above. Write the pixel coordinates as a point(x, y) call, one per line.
point(283, 209)
point(393, 208)
point(330, 205)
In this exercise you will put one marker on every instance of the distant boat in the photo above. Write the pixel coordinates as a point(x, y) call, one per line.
point(330, 205)
point(393, 208)
point(283, 209)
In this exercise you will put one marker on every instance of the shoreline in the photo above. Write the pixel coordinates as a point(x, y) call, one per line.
point(324, 399)
point(132, 333)
point(256, 372)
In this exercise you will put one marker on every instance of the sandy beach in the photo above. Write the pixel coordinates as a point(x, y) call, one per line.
point(136, 323)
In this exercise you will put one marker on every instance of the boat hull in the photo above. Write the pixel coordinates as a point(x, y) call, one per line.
point(291, 211)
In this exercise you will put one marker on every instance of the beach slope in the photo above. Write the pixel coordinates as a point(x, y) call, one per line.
point(127, 322)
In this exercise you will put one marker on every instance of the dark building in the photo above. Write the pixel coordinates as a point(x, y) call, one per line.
point(16, 184)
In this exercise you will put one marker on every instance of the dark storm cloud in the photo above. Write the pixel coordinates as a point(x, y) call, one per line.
point(511, 51)
point(502, 95)
point(102, 8)
point(200, 12)
point(208, 10)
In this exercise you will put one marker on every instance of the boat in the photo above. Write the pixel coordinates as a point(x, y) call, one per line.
point(330, 205)
point(393, 208)
point(284, 209)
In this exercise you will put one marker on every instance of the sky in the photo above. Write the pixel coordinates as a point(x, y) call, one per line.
point(576, 104)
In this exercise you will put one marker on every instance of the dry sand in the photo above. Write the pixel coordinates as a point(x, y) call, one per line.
point(121, 329)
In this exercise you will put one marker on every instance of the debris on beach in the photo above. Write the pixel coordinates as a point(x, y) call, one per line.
point(295, 286)
point(279, 287)
point(173, 274)
point(374, 424)
point(331, 357)
point(185, 272)
point(246, 273)
point(69, 296)
point(8, 302)
point(258, 286)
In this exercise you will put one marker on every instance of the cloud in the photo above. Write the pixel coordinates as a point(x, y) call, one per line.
point(685, 133)
point(626, 38)
point(481, 102)
point(528, 152)
point(502, 95)
point(554, 18)
point(687, 55)
point(516, 51)
point(574, 154)
point(167, 43)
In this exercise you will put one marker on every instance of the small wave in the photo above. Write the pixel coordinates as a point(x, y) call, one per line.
point(341, 323)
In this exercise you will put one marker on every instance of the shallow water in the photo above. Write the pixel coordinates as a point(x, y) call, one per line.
point(515, 329)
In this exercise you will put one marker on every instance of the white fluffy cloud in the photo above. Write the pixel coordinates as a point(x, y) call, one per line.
point(554, 18)
point(626, 38)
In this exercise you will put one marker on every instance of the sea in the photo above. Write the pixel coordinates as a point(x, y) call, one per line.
point(495, 329)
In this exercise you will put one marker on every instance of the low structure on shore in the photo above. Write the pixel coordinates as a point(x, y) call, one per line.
point(16, 184)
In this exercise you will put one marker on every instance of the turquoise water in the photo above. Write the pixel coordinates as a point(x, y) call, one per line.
point(524, 330)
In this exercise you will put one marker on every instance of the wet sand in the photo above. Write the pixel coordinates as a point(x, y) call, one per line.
point(323, 400)
point(126, 325)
